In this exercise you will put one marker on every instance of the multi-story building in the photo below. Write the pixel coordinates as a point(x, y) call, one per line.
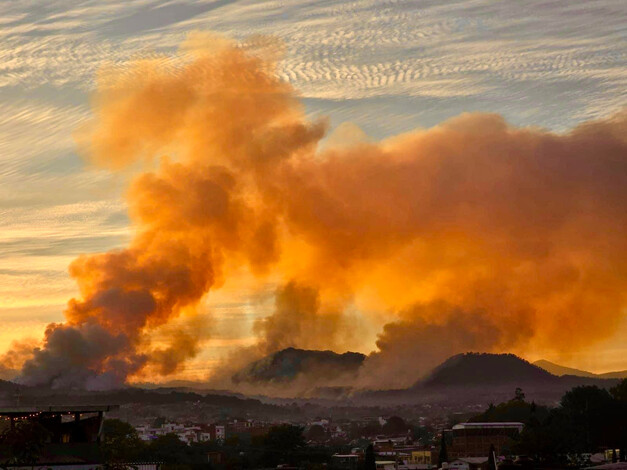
point(475, 439)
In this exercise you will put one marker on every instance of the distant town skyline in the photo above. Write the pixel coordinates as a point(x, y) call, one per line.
point(373, 69)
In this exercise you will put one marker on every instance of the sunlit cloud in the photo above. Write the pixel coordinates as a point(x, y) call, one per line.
point(415, 65)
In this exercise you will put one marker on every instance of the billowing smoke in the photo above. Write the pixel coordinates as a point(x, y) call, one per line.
point(469, 235)
point(82, 356)
point(429, 334)
point(226, 122)
point(299, 321)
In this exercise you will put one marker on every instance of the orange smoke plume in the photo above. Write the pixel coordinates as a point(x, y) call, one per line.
point(487, 236)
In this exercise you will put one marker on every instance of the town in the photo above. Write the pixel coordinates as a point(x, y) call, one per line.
point(586, 430)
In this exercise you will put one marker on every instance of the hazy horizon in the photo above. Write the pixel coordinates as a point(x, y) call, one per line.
point(373, 92)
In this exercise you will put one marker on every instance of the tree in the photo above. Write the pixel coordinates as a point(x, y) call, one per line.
point(282, 443)
point(285, 437)
point(519, 395)
point(588, 418)
point(492, 458)
point(395, 425)
point(369, 459)
point(158, 422)
point(120, 443)
point(512, 410)
point(26, 441)
point(590, 411)
point(371, 429)
point(423, 434)
point(443, 457)
point(169, 449)
point(546, 439)
point(619, 391)
point(316, 433)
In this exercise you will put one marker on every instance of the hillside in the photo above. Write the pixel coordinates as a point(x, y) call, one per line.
point(558, 370)
point(621, 374)
point(472, 369)
point(287, 364)
point(472, 378)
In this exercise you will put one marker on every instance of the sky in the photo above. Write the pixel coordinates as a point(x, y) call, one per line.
point(386, 66)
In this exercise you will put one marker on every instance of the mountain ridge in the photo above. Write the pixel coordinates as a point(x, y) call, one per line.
point(285, 365)
point(469, 369)
point(559, 370)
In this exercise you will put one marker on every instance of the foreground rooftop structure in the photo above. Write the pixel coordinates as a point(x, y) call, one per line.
point(73, 432)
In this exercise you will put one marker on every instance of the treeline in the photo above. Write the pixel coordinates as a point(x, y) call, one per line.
point(127, 396)
point(588, 419)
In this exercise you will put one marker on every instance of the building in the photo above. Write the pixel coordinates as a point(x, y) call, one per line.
point(475, 439)
point(212, 432)
point(187, 434)
point(71, 437)
point(421, 457)
point(346, 461)
point(386, 464)
point(245, 428)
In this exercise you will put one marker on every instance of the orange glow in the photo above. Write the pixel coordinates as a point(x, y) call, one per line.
point(474, 233)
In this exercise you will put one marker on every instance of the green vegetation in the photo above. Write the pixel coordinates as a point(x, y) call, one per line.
point(284, 444)
point(587, 420)
point(517, 409)
point(24, 443)
point(121, 442)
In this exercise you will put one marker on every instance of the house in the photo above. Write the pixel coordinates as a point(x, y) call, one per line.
point(212, 432)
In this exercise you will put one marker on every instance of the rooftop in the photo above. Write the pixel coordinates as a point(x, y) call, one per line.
point(497, 425)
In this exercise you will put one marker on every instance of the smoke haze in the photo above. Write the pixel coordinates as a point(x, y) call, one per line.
point(471, 235)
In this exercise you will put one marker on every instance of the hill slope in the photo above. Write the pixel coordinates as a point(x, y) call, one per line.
point(472, 369)
point(558, 370)
point(287, 364)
